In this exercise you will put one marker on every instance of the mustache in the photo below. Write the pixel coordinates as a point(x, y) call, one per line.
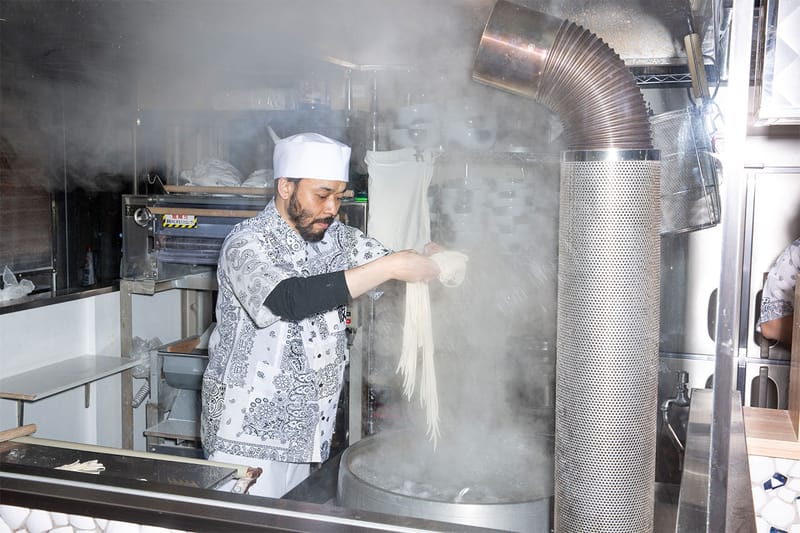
point(326, 220)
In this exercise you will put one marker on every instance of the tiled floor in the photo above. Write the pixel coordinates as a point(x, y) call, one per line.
point(776, 494)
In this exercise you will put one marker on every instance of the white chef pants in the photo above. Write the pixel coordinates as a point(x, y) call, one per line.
point(276, 478)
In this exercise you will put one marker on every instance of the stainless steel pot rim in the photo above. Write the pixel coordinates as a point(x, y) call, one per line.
point(374, 440)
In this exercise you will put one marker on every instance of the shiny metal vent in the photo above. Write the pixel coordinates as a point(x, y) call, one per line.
point(607, 341)
point(609, 260)
point(568, 69)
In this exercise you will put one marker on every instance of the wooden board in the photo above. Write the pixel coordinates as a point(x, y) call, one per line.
point(201, 211)
point(770, 432)
point(184, 346)
point(794, 370)
point(245, 191)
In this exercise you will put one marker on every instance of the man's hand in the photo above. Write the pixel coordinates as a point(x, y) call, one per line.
point(405, 265)
point(410, 266)
point(433, 248)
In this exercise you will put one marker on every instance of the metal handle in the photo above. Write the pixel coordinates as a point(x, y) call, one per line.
point(142, 217)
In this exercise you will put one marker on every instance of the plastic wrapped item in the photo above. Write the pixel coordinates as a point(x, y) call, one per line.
point(212, 173)
point(259, 178)
point(13, 289)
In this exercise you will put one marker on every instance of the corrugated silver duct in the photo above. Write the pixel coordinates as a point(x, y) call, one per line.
point(608, 279)
point(568, 69)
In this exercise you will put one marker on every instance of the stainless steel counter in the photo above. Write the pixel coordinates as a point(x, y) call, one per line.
point(699, 466)
point(38, 459)
point(178, 496)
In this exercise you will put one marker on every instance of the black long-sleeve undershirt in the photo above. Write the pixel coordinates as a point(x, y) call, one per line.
point(298, 298)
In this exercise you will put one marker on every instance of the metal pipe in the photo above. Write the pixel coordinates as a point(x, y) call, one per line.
point(609, 263)
point(727, 345)
point(568, 69)
point(607, 341)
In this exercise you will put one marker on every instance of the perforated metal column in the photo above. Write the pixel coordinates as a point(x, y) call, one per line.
point(608, 318)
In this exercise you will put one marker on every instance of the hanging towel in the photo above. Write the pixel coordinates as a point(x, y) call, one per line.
point(398, 198)
point(399, 217)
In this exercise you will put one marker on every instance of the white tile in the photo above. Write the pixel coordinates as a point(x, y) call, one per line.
point(794, 484)
point(59, 519)
point(786, 494)
point(13, 516)
point(81, 522)
point(121, 527)
point(778, 513)
point(762, 526)
point(761, 468)
point(759, 498)
point(784, 466)
point(39, 521)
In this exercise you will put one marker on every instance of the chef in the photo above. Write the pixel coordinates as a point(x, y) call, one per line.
point(777, 298)
point(278, 352)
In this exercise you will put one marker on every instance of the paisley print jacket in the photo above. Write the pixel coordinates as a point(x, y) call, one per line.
point(777, 298)
point(271, 387)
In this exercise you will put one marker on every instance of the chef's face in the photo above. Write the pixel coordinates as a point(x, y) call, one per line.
point(313, 205)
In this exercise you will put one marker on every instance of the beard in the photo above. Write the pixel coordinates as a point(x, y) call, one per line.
point(304, 221)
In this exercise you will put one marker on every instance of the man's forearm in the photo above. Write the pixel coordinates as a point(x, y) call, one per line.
point(405, 265)
point(368, 276)
point(779, 329)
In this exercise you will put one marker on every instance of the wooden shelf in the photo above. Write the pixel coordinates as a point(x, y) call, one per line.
point(64, 375)
point(770, 432)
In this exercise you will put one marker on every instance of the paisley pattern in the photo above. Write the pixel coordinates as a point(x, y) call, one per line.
point(777, 298)
point(271, 387)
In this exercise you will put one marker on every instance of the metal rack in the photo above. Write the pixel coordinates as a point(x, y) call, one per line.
point(195, 317)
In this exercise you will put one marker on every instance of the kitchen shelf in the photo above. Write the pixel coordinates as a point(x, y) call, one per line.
point(58, 377)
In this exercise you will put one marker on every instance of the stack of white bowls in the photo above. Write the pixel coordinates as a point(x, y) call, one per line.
point(467, 124)
point(416, 126)
point(462, 207)
point(510, 212)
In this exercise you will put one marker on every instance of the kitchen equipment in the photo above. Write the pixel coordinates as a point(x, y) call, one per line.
point(777, 98)
point(174, 410)
point(608, 263)
point(689, 190)
point(507, 485)
point(179, 233)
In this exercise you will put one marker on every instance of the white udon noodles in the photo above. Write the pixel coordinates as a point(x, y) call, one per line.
point(418, 336)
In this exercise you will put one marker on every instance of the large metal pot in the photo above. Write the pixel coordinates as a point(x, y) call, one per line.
point(507, 485)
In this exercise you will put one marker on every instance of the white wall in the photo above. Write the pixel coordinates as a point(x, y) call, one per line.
point(34, 338)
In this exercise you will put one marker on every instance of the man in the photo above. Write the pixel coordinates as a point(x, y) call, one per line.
point(777, 298)
point(278, 352)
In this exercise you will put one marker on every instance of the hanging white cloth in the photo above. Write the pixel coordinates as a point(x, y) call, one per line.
point(398, 198)
point(399, 217)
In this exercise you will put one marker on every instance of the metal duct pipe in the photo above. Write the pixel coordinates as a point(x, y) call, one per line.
point(568, 69)
point(609, 261)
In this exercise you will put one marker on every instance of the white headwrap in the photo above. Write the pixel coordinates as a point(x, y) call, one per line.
point(311, 155)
